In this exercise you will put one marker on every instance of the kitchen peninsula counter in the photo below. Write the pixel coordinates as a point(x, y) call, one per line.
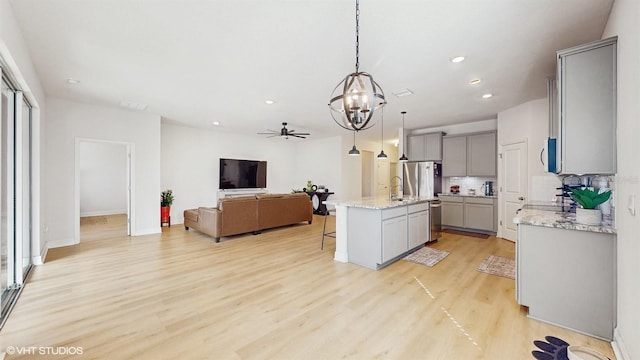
point(566, 270)
point(376, 231)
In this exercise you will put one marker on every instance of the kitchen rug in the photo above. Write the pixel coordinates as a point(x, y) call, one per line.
point(498, 265)
point(426, 256)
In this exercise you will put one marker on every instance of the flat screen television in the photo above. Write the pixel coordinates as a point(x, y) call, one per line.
point(242, 174)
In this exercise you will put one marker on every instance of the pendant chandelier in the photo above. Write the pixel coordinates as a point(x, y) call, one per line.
point(356, 98)
point(404, 157)
point(382, 155)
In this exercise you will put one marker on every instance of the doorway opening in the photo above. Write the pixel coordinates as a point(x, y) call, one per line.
point(103, 190)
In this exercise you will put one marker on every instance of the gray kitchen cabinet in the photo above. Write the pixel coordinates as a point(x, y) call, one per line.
point(567, 278)
point(394, 237)
point(452, 211)
point(470, 212)
point(469, 155)
point(454, 156)
point(418, 225)
point(425, 147)
point(587, 108)
point(478, 213)
point(481, 154)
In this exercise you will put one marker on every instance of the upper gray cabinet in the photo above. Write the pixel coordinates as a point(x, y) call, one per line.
point(425, 147)
point(587, 108)
point(454, 156)
point(469, 155)
point(481, 154)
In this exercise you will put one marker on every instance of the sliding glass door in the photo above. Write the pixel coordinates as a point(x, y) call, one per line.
point(15, 194)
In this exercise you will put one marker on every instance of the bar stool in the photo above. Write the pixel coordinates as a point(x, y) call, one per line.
point(332, 234)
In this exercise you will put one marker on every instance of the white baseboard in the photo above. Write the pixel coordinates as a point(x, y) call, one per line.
point(103, 213)
point(61, 243)
point(619, 349)
point(40, 259)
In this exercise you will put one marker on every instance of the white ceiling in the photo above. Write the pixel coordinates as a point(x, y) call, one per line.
point(195, 61)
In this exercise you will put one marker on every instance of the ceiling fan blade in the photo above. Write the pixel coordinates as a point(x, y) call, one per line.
point(298, 136)
point(306, 134)
point(273, 135)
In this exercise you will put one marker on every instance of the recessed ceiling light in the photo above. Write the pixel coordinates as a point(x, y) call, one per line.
point(403, 92)
point(269, 102)
point(474, 81)
point(216, 123)
point(486, 96)
point(72, 81)
point(457, 59)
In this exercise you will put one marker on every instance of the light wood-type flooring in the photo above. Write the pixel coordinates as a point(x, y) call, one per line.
point(179, 295)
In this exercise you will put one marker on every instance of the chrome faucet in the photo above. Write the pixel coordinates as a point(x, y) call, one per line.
point(392, 186)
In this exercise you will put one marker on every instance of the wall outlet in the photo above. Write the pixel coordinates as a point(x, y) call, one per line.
point(631, 205)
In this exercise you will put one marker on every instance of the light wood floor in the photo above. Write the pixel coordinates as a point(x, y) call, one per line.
point(179, 295)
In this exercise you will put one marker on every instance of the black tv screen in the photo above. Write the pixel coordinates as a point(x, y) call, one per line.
point(242, 174)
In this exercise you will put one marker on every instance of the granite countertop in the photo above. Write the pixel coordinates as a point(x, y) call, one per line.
point(379, 203)
point(467, 195)
point(561, 220)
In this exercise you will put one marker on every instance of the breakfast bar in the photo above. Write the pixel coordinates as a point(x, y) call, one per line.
point(375, 232)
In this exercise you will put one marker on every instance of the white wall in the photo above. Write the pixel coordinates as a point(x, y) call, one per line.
point(15, 56)
point(103, 178)
point(624, 21)
point(454, 129)
point(69, 121)
point(191, 161)
point(530, 122)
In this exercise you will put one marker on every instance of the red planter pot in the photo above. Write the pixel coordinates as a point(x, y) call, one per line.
point(165, 215)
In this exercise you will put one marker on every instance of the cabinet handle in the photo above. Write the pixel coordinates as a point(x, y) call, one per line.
point(541, 152)
point(521, 198)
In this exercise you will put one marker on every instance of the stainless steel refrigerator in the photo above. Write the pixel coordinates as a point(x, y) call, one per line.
point(424, 179)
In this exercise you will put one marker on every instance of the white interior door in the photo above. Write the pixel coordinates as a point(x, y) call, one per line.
point(382, 187)
point(513, 186)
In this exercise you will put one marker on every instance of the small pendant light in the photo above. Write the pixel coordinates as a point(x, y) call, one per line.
point(403, 158)
point(354, 151)
point(382, 155)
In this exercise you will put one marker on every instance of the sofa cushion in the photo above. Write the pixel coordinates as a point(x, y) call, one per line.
point(191, 214)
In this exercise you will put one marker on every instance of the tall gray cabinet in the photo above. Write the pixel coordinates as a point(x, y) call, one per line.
point(587, 108)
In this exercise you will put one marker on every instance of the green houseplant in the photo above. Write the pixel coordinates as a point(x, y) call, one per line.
point(166, 198)
point(589, 199)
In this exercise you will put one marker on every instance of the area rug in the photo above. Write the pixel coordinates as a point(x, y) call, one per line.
point(466, 233)
point(498, 265)
point(426, 256)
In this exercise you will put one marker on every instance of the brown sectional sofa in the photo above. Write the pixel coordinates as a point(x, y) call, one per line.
point(253, 213)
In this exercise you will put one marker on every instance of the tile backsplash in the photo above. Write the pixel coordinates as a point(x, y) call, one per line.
point(466, 183)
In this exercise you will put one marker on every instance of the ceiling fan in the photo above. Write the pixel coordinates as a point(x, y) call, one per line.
point(285, 133)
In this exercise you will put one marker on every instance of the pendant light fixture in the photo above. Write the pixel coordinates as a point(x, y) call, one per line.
point(403, 158)
point(382, 155)
point(354, 151)
point(356, 98)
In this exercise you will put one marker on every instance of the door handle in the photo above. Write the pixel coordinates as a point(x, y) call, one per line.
point(521, 198)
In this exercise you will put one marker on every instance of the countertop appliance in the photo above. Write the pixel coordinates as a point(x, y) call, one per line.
point(488, 188)
point(424, 178)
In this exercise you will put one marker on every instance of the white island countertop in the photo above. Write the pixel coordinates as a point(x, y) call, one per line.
point(379, 202)
point(561, 220)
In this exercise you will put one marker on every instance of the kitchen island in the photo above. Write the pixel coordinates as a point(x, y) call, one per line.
point(565, 271)
point(375, 232)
